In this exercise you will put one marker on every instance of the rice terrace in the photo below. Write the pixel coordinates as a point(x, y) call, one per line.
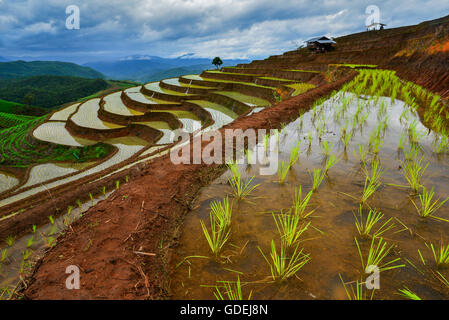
point(358, 208)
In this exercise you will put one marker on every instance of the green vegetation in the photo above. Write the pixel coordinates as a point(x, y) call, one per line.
point(19, 149)
point(217, 62)
point(22, 69)
point(8, 120)
point(8, 106)
point(49, 91)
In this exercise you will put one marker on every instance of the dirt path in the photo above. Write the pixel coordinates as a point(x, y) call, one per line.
point(123, 245)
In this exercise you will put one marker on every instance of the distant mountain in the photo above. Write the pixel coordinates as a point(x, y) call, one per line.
point(144, 68)
point(49, 91)
point(22, 69)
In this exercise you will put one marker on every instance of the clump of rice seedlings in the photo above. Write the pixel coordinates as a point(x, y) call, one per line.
point(332, 161)
point(427, 207)
point(440, 254)
point(241, 188)
point(327, 148)
point(345, 138)
point(372, 181)
point(30, 241)
point(103, 191)
point(376, 141)
point(310, 137)
point(283, 170)
point(282, 265)
point(317, 178)
point(413, 172)
point(117, 184)
point(294, 154)
point(69, 209)
point(363, 153)
point(10, 240)
point(401, 144)
point(377, 253)
point(233, 291)
point(79, 203)
point(415, 136)
point(441, 145)
point(219, 226)
point(4, 255)
point(223, 211)
point(300, 204)
point(290, 228)
point(366, 225)
point(408, 294)
point(359, 294)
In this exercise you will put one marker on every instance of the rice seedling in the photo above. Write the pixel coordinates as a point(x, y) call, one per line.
point(289, 228)
point(415, 136)
point(103, 191)
point(376, 141)
point(241, 188)
point(117, 184)
point(4, 255)
point(331, 161)
point(427, 207)
point(233, 290)
point(345, 138)
point(327, 148)
point(377, 254)
point(222, 211)
point(218, 235)
point(294, 154)
point(440, 254)
point(10, 240)
point(372, 181)
point(79, 203)
point(30, 241)
point(413, 172)
point(363, 153)
point(310, 137)
point(408, 294)
point(441, 145)
point(300, 204)
point(282, 265)
point(359, 293)
point(317, 178)
point(283, 170)
point(401, 144)
point(91, 196)
point(365, 226)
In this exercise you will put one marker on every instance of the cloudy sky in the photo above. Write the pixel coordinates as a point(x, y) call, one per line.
point(228, 28)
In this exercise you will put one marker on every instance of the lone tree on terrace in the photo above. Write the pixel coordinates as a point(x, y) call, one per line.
point(217, 62)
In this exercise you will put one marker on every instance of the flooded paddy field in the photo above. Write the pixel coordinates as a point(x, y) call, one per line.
point(361, 188)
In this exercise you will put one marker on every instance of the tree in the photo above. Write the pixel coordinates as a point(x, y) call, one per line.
point(217, 62)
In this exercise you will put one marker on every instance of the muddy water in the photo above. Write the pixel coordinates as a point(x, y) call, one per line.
point(330, 242)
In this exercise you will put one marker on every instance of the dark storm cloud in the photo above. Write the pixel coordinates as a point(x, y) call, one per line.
point(230, 28)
